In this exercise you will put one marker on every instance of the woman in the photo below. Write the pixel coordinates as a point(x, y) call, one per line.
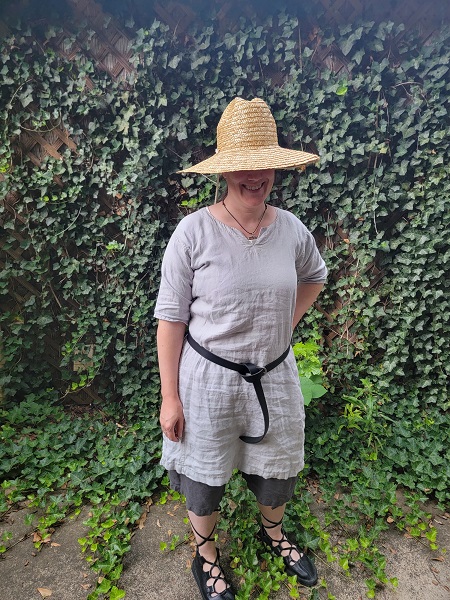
point(240, 274)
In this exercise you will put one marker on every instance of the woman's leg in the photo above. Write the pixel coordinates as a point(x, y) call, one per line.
point(203, 529)
point(272, 496)
point(202, 501)
point(272, 522)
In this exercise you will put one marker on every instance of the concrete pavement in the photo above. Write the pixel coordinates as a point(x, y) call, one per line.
point(60, 571)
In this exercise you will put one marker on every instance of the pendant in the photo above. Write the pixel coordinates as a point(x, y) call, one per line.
point(252, 237)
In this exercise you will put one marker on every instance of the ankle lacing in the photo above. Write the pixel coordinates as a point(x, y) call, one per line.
point(277, 544)
point(303, 568)
point(220, 576)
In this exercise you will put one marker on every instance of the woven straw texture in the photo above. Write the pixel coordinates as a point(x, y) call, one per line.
point(247, 140)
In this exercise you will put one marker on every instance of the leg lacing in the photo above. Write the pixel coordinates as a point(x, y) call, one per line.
point(295, 562)
point(204, 539)
point(282, 547)
point(213, 570)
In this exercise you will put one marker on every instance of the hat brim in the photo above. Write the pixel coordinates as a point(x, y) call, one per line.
point(255, 159)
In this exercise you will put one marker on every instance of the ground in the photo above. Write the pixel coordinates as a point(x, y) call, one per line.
point(59, 570)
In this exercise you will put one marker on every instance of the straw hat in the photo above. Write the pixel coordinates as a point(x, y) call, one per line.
point(247, 140)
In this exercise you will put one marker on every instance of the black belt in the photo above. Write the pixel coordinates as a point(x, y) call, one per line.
point(251, 373)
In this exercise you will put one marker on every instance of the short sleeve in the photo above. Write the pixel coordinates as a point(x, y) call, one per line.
point(309, 264)
point(175, 292)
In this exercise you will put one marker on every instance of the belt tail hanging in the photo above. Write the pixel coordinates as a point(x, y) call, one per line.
point(251, 373)
point(265, 411)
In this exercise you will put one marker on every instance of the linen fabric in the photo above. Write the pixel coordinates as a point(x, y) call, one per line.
point(238, 298)
point(203, 499)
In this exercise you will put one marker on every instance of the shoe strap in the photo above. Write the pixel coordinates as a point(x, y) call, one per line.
point(289, 548)
point(272, 525)
point(215, 578)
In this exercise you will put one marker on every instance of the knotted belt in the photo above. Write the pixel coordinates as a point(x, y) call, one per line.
point(251, 373)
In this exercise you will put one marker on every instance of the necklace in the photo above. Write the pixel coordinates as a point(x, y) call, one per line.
point(251, 234)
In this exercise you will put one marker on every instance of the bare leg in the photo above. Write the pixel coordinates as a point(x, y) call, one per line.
point(272, 534)
point(275, 515)
point(203, 529)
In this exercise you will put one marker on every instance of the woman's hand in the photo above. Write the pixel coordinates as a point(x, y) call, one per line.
point(171, 418)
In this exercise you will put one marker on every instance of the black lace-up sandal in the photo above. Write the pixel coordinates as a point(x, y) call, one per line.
point(213, 574)
point(303, 567)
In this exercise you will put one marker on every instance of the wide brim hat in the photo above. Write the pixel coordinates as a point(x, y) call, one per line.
point(247, 140)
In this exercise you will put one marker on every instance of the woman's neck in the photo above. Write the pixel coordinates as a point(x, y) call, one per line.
point(247, 226)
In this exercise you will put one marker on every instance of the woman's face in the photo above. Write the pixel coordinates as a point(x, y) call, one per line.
point(249, 187)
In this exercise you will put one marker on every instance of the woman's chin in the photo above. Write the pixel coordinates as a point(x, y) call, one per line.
point(258, 195)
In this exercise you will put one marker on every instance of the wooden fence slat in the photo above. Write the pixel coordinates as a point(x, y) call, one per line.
point(178, 16)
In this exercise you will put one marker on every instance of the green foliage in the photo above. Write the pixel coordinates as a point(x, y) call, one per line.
point(362, 412)
point(59, 463)
point(83, 243)
point(309, 369)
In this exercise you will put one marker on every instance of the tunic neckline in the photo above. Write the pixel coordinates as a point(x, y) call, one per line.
point(239, 233)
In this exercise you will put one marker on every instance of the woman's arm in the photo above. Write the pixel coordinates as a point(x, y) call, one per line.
point(306, 296)
point(170, 335)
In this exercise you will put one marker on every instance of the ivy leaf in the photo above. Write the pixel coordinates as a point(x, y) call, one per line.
point(26, 97)
point(116, 593)
point(439, 72)
point(104, 586)
point(342, 89)
point(175, 61)
point(311, 390)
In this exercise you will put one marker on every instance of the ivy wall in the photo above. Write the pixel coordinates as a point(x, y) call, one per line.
point(84, 229)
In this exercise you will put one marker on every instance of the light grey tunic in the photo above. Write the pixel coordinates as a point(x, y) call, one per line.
point(238, 298)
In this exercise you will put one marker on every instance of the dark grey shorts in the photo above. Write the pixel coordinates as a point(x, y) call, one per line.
point(203, 499)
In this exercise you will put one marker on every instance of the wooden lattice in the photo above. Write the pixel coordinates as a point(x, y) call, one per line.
point(37, 144)
point(176, 15)
point(20, 291)
point(425, 15)
point(101, 39)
